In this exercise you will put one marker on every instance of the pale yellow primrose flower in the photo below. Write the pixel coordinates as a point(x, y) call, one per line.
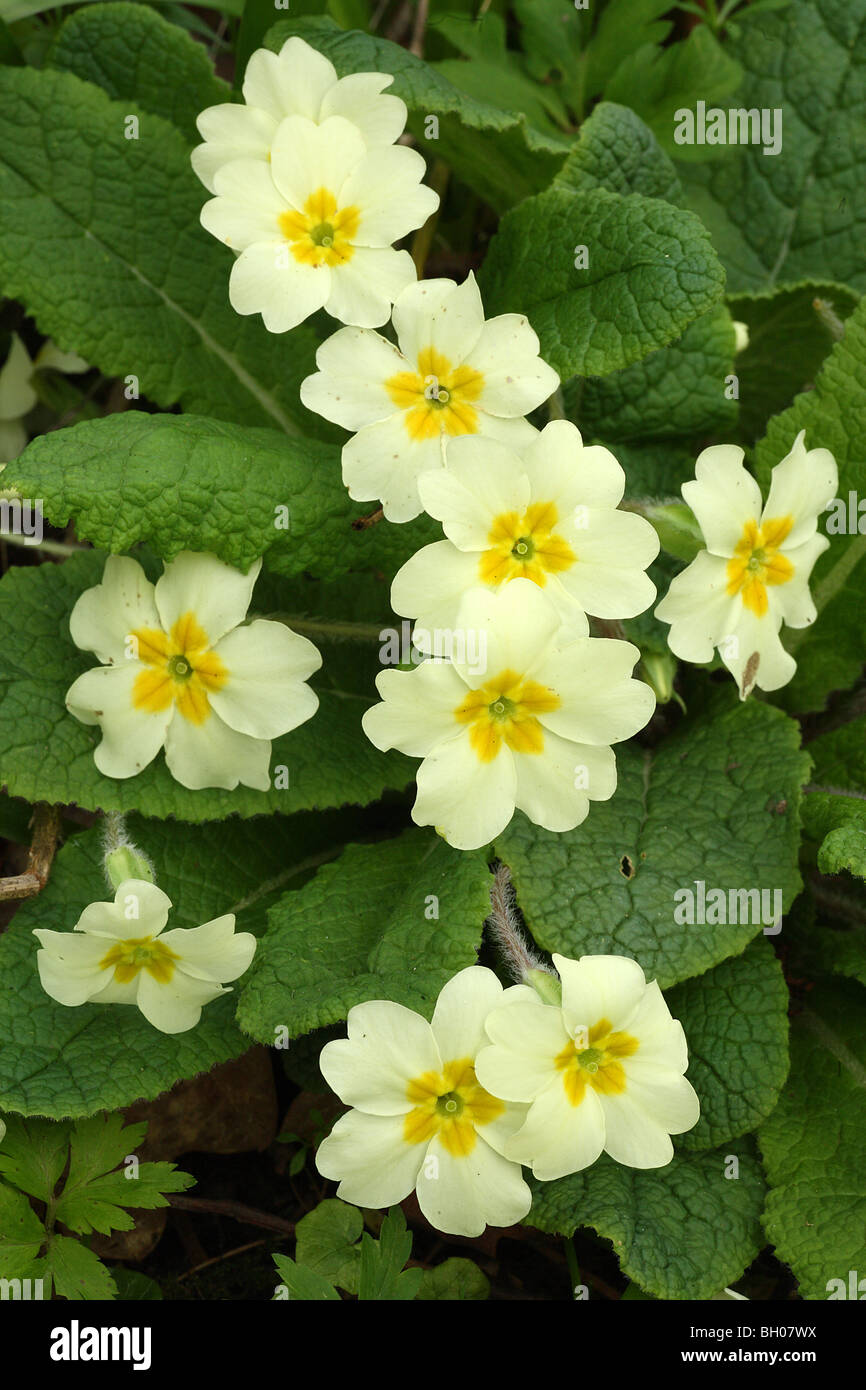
point(602, 1072)
point(123, 956)
point(297, 81)
point(547, 513)
point(17, 396)
point(754, 574)
point(182, 670)
point(528, 725)
point(314, 227)
point(420, 1121)
point(453, 373)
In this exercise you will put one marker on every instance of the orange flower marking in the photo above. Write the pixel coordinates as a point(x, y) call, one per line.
point(451, 1104)
point(437, 398)
point(757, 562)
point(506, 710)
point(598, 1064)
point(140, 953)
point(321, 234)
point(181, 670)
point(525, 547)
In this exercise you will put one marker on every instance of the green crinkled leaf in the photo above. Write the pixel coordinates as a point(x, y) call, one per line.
point(658, 82)
point(136, 55)
point(185, 482)
point(102, 243)
point(675, 392)
point(788, 341)
point(497, 153)
point(681, 1232)
point(617, 151)
point(735, 1019)
point(651, 271)
point(60, 1061)
point(371, 936)
point(830, 653)
point(717, 801)
point(799, 214)
point(813, 1144)
point(838, 824)
point(454, 1279)
point(840, 757)
point(327, 1242)
point(47, 755)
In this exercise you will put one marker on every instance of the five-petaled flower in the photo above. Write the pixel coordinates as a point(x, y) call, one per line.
point(180, 671)
point(548, 514)
point(603, 1071)
point(532, 730)
point(420, 1120)
point(754, 574)
point(297, 81)
point(314, 227)
point(454, 373)
point(122, 955)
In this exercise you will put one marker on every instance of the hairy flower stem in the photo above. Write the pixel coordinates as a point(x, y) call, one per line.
point(524, 965)
point(121, 858)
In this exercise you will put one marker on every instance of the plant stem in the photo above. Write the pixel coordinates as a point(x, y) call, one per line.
point(323, 627)
point(571, 1261)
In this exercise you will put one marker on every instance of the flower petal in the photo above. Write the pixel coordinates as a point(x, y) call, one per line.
point(417, 709)
point(247, 207)
point(526, 1036)
point(516, 378)
point(430, 587)
point(265, 695)
point(213, 755)
point(104, 616)
point(349, 387)
point(481, 480)
point(467, 800)
point(597, 987)
point(387, 187)
point(382, 461)
point(139, 909)
point(555, 786)
point(214, 952)
point(306, 157)
point(174, 1007)
point(131, 738)
point(231, 132)
point(372, 1161)
point(388, 1047)
point(462, 1195)
point(800, 487)
point(442, 315)
point(215, 593)
point(266, 279)
point(699, 608)
point(363, 289)
point(557, 1137)
point(69, 968)
point(600, 701)
point(723, 497)
point(294, 81)
point(462, 1007)
point(380, 119)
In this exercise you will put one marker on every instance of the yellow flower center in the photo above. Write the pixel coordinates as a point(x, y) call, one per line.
point(506, 710)
point(322, 234)
point(438, 397)
point(140, 953)
point(451, 1104)
point(525, 547)
point(596, 1065)
point(183, 670)
point(756, 562)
